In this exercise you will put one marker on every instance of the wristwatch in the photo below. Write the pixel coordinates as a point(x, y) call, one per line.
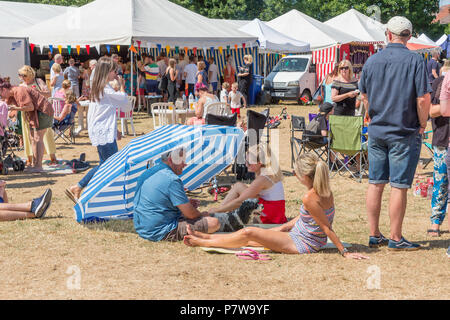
point(343, 252)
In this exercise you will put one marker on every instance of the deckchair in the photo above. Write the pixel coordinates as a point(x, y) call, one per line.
point(345, 137)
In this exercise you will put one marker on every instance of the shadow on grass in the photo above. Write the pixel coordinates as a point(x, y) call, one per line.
point(122, 226)
point(33, 184)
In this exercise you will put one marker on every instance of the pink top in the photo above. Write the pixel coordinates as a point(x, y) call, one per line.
point(3, 117)
point(445, 96)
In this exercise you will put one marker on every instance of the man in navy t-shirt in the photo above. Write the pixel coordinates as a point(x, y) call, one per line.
point(395, 88)
point(433, 67)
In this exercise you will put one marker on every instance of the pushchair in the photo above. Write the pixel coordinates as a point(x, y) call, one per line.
point(9, 141)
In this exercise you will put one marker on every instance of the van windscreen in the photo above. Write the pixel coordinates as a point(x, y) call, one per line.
point(291, 65)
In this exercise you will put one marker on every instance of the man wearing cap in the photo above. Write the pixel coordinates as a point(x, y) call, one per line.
point(396, 91)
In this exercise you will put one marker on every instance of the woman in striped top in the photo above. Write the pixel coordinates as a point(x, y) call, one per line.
point(305, 234)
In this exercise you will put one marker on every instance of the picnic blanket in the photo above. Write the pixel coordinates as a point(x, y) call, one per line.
point(63, 166)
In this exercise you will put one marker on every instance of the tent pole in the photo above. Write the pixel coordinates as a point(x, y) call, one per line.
point(132, 71)
point(265, 65)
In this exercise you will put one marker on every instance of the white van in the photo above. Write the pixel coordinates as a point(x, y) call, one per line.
point(293, 78)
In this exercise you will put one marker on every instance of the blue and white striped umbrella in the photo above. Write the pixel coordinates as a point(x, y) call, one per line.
point(110, 193)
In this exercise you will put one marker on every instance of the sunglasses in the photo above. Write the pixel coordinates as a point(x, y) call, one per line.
point(22, 75)
point(345, 68)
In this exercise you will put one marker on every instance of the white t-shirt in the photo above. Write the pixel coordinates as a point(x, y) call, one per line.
point(214, 72)
point(102, 122)
point(224, 96)
point(235, 99)
point(191, 71)
point(162, 68)
point(180, 67)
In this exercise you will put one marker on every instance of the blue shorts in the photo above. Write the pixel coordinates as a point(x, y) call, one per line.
point(151, 86)
point(214, 86)
point(1, 200)
point(394, 161)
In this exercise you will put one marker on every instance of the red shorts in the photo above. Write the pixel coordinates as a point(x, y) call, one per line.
point(236, 110)
point(274, 211)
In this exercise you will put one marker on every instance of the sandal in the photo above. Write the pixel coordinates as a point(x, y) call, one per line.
point(71, 196)
point(250, 254)
point(436, 232)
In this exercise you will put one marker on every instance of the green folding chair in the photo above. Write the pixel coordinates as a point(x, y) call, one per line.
point(345, 138)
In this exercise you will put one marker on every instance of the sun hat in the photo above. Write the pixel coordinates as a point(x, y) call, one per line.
point(400, 26)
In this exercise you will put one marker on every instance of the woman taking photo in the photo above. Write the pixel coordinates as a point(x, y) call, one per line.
point(344, 90)
point(172, 75)
point(102, 117)
point(307, 233)
point(28, 77)
point(38, 112)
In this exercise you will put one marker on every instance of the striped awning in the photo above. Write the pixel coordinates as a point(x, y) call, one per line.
point(110, 193)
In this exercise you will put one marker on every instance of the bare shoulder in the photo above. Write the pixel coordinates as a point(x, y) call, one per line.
point(263, 182)
point(311, 198)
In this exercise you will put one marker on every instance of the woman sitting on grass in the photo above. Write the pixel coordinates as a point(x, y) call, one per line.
point(305, 234)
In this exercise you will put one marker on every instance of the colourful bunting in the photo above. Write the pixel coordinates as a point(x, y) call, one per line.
point(139, 44)
point(60, 49)
point(108, 48)
point(159, 48)
point(51, 48)
point(118, 48)
point(167, 49)
point(186, 51)
point(221, 50)
point(69, 49)
point(243, 45)
point(133, 49)
point(195, 51)
point(177, 50)
point(32, 47)
point(88, 49)
point(228, 49)
point(78, 49)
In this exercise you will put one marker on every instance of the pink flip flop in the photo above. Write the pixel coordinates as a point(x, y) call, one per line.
point(250, 254)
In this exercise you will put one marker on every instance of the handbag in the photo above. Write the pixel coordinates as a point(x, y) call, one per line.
point(162, 86)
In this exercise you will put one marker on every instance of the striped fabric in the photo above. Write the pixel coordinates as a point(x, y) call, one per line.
point(324, 60)
point(110, 193)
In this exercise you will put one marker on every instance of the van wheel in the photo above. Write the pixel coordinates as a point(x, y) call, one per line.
point(305, 95)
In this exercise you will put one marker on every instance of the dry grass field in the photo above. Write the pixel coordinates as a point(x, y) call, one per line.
point(39, 259)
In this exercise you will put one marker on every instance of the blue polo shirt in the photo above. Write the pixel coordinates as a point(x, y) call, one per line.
point(393, 79)
point(159, 192)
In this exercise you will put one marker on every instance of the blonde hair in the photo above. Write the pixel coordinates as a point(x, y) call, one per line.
point(310, 165)
point(235, 85)
point(70, 97)
point(446, 66)
point(225, 85)
point(56, 68)
point(102, 69)
point(249, 58)
point(28, 72)
point(66, 85)
point(201, 65)
point(346, 63)
point(115, 85)
point(262, 153)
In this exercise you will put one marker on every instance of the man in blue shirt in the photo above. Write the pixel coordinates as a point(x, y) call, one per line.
point(162, 210)
point(73, 75)
point(395, 88)
point(433, 67)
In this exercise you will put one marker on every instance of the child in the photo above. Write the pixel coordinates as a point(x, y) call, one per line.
point(224, 93)
point(69, 109)
point(235, 100)
point(305, 234)
point(318, 127)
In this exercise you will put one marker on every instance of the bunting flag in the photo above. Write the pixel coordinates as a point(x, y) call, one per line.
point(177, 50)
point(228, 49)
point(167, 50)
point(78, 49)
point(243, 45)
point(108, 48)
point(133, 49)
point(69, 49)
point(139, 44)
point(159, 48)
point(51, 48)
point(60, 49)
point(221, 50)
point(118, 48)
point(235, 46)
point(195, 51)
point(186, 51)
point(88, 49)
point(32, 47)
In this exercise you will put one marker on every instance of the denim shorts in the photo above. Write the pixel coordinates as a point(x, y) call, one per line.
point(151, 86)
point(394, 161)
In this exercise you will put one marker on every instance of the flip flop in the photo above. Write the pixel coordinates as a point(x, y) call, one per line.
point(71, 196)
point(249, 254)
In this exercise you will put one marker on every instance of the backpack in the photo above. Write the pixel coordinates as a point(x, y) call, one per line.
point(313, 129)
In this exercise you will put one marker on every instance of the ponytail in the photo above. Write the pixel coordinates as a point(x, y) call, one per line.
point(321, 181)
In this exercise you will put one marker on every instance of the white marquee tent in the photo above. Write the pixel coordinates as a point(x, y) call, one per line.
point(423, 37)
point(118, 22)
point(19, 15)
point(304, 28)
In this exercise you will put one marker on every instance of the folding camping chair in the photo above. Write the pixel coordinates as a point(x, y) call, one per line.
point(345, 137)
point(221, 120)
point(306, 142)
point(429, 147)
point(63, 131)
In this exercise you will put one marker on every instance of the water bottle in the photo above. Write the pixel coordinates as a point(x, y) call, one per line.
point(184, 102)
point(417, 188)
point(191, 101)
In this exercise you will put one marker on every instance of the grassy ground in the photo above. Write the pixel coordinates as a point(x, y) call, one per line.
point(44, 259)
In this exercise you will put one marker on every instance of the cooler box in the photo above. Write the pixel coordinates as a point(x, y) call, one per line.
point(255, 88)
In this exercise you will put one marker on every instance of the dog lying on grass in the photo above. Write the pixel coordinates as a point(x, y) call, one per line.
point(237, 219)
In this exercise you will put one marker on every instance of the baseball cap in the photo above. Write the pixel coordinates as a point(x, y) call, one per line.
point(400, 26)
point(326, 107)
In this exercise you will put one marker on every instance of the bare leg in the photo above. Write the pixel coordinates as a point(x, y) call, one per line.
point(15, 215)
point(38, 147)
point(397, 209)
point(21, 207)
point(274, 240)
point(373, 206)
point(235, 192)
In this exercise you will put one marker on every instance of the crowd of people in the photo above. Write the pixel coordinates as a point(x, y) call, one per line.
point(395, 89)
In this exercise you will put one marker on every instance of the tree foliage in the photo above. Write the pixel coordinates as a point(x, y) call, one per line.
point(420, 12)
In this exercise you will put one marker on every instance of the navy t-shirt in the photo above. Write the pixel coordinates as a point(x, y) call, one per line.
point(393, 79)
point(432, 65)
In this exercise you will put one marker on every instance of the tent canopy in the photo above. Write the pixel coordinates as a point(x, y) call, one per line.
point(360, 25)
point(419, 44)
point(304, 28)
point(118, 22)
point(271, 40)
point(19, 15)
point(423, 37)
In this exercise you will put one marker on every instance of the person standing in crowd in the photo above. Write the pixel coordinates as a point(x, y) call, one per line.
point(229, 72)
point(102, 118)
point(182, 63)
point(56, 78)
point(433, 67)
point(127, 78)
point(213, 75)
point(344, 90)
point(151, 70)
point(235, 97)
point(162, 66)
point(38, 111)
point(73, 75)
point(396, 91)
point(245, 76)
point(28, 77)
point(50, 59)
point(172, 76)
point(190, 72)
point(85, 76)
point(445, 112)
point(327, 84)
point(201, 76)
point(117, 60)
point(440, 147)
point(92, 65)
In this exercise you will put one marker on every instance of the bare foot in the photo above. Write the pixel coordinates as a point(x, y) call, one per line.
point(196, 234)
point(76, 190)
point(186, 241)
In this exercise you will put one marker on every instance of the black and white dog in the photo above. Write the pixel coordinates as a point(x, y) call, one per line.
point(237, 219)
